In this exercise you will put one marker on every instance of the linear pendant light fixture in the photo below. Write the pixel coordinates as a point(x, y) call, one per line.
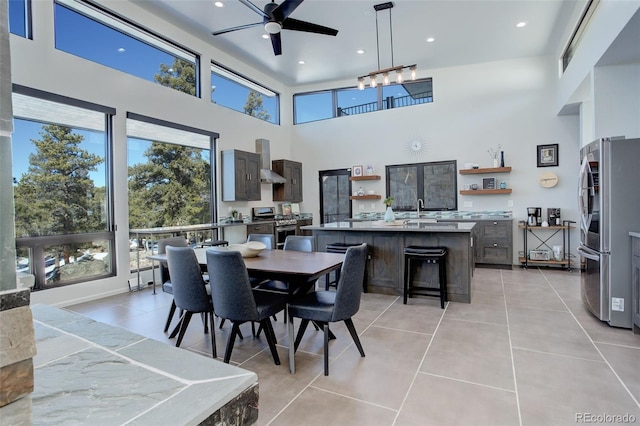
point(384, 72)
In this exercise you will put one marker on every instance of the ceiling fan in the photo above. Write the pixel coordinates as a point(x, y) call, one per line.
point(276, 18)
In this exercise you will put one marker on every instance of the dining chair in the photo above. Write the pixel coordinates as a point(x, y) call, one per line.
point(324, 307)
point(234, 299)
point(292, 242)
point(189, 291)
point(165, 277)
point(268, 240)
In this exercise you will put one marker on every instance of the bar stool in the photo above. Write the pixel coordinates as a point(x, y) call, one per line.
point(435, 255)
point(342, 248)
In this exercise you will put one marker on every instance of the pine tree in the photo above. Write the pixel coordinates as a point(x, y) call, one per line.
point(254, 106)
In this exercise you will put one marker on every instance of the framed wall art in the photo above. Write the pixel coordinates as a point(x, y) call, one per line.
point(489, 183)
point(357, 171)
point(547, 155)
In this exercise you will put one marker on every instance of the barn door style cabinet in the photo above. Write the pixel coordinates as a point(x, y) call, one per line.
point(240, 176)
point(291, 190)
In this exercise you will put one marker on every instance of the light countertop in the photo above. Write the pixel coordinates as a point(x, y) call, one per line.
point(398, 226)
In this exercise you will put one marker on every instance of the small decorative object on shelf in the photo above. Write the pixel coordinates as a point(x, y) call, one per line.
point(501, 158)
point(389, 215)
point(495, 153)
point(369, 170)
point(357, 171)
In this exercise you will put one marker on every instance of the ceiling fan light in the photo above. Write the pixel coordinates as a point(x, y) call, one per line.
point(272, 27)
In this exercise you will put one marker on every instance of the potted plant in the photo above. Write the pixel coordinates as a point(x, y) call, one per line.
point(389, 216)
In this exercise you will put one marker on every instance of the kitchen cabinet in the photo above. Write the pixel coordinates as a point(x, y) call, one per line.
point(494, 243)
point(261, 228)
point(292, 189)
point(240, 176)
point(635, 281)
point(544, 235)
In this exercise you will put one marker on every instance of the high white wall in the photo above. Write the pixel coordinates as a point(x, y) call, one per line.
point(476, 107)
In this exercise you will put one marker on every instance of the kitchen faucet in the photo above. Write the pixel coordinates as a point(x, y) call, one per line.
point(420, 202)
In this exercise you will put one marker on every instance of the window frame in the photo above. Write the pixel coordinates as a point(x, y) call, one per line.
point(28, 22)
point(36, 245)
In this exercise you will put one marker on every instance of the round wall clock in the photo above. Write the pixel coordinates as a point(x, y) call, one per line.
point(415, 147)
point(548, 180)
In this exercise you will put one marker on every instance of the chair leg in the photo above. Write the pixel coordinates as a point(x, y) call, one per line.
point(183, 326)
point(354, 335)
point(221, 322)
point(231, 341)
point(203, 315)
point(301, 330)
point(172, 310)
point(214, 351)
point(292, 357)
point(326, 349)
point(175, 331)
point(271, 339)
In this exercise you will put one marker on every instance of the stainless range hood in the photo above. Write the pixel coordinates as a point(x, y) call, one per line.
point(266, 174)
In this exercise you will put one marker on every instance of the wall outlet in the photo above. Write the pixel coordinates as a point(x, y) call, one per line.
point(617, 304)
point(510, 203)
point(468, 203)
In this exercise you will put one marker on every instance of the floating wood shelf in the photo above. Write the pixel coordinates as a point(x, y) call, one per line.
point(485, 191)
point(486, 170)
point(367, 177)
point(365, 197)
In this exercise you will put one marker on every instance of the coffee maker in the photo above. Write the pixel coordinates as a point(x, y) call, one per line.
point(553, 217)
point(534, 216)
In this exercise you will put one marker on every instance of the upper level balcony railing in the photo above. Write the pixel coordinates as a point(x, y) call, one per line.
point(387, 103)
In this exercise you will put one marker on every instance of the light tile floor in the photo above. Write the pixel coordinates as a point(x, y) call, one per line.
point(524, 352)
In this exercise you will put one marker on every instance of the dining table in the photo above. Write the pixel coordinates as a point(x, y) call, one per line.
point(297, 268)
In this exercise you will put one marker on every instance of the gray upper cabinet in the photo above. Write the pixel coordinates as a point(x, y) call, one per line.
point(240, 176)
point(292, 189)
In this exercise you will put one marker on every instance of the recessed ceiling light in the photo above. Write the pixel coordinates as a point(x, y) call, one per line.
point(430, 39)
point(218, 4)
point(265, 36)
point(301, 62)
point(521, 24)
point(360, 51)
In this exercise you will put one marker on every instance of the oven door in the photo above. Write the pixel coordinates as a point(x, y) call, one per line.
point(282, 232)
point(594, 282)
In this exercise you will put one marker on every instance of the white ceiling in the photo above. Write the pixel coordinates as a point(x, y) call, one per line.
point(465, 32)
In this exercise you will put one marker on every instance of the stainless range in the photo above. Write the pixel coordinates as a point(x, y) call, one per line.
point(284, 225)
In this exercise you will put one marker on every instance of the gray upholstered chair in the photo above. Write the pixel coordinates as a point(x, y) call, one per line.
point(305, 243)
point(165, 277)
point(234, 299)
point(324, 307)
point(268, 240)
point(189, 291)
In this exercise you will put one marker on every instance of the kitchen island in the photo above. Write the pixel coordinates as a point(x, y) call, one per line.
point(385, 266)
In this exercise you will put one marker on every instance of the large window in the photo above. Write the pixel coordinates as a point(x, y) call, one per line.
point(316, 106)
point(61, 174)
point(170, 177)
point(434, 183)
point(92, 34)
point(20, 17)
point(233, 91)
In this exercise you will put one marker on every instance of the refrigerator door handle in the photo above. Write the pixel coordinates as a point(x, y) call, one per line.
point(589, 253)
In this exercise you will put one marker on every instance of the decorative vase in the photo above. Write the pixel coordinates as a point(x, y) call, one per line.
point(495, 162)
point(501, 158)
point(389, 215)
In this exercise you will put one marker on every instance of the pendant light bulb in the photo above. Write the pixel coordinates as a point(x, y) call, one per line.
point(399, 76)
point(385, 79)
point(413, 72)
point(374, 83)
point(360, 83)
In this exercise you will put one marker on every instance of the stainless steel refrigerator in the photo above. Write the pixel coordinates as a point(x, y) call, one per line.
point(609, 204)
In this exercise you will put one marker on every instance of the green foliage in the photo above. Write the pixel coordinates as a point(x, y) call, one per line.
point(254, 106)
point(180, 76)
point(172, 188)
point(57, 196)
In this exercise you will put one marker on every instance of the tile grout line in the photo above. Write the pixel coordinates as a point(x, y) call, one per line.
point(615, 373)
point(313, 379)
point(413, 380)
point(513, 362)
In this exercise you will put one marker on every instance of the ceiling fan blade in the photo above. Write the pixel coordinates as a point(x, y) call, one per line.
point(296, 25)
point(255, 8)
point(276, 42)
point(285, 9)
point(241, 27)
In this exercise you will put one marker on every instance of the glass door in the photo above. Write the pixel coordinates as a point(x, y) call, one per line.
point(335, 190)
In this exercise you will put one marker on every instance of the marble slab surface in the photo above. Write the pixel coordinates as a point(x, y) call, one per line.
point(88, 372)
